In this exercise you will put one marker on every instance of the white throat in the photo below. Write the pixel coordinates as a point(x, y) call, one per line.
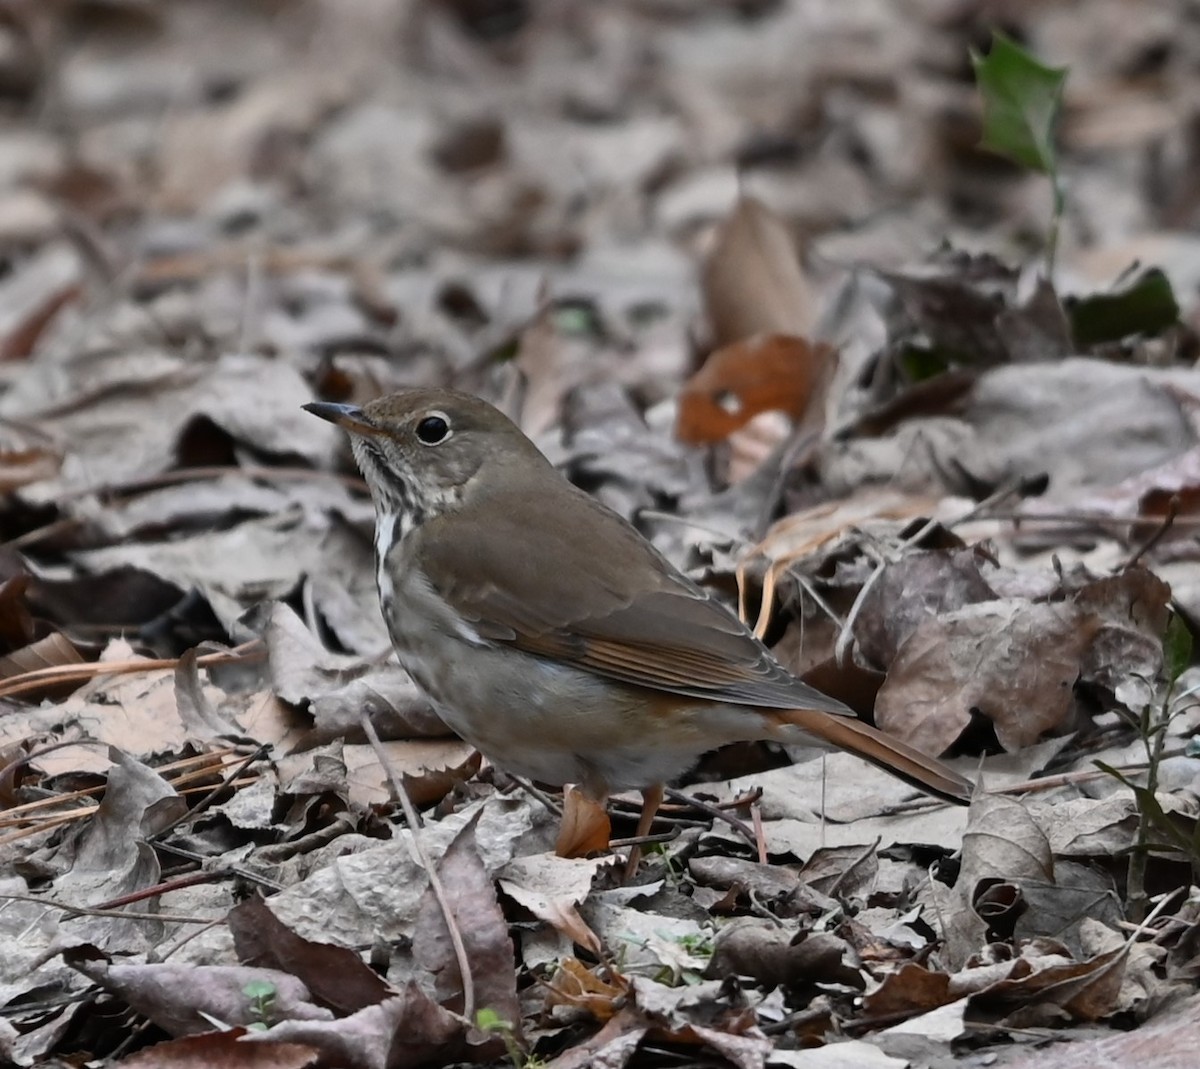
point(385, 537)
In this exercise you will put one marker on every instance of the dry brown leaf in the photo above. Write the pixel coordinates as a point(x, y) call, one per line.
point(429, 769)
point(408, 1030)
point(1087, 990)
point(1002, 847)
point(471, 899)
point(1130, 611)
point(551, 888)
point(610, 1048)
point(1088, 828)
point(1168, 1041)
point(911, 588)
point(336, 976)
point(775, 956)
point(211, 1049)
point(1013, 661)
point(911, 989)
point(53, 651)
point(17, 625)
point(752, 280)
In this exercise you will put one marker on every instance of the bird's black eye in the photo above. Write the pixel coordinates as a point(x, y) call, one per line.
point(433, 429)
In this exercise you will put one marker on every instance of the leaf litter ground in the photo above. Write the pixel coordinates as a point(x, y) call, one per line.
point(742, 272)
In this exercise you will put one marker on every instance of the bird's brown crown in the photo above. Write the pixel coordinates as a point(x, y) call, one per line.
point(419, 448)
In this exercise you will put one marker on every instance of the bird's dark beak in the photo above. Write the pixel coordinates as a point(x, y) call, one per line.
point(349, 417)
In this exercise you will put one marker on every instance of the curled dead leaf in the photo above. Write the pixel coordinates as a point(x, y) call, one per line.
point(574, 984)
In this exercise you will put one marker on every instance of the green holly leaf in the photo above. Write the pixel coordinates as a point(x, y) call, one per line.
point(1177, 649)
point(1021, 102)
point(920, 362)
point(1146, 305)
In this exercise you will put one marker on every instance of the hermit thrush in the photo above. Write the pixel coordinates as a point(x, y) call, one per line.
point(549, 633)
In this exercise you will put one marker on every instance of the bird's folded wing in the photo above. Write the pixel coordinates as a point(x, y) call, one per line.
point(610, 604)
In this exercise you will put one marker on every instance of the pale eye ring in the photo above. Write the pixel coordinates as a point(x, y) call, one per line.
point(433, 429)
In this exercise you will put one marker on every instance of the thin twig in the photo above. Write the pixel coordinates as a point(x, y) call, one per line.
point(102, 911)
point(435, 882)
point(867, 852)
point(645, 840)
point(1103, 519)
point(226, 781)
point(176, 883)
point(846, 636)
point(80, 673)
point(39, 823)
point(230, 870)
point(538, 794)
point(711, 810)
point(17, 814)
point(760, 835)
point(1156, 536)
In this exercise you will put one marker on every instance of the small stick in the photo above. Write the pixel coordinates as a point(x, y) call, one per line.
point(713, 811)
point(71, 673)
point(1156, 536)
point(760, 837)
point(435, 881)
point(538, 794)
point(645, 840)
point(837, 884)
point(229, 870)
point(101, 911)
point(226, 781)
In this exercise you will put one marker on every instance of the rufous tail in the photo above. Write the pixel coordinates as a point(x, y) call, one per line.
point(882, 750)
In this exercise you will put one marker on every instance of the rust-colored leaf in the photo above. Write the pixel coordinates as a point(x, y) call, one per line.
point(764, 373)
point(574, 984)
point(585, 827)
point(212, 1049)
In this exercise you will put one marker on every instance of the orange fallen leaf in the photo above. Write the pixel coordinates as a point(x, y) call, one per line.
point(574, 984)
point(766, 373)
point(585, 827)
